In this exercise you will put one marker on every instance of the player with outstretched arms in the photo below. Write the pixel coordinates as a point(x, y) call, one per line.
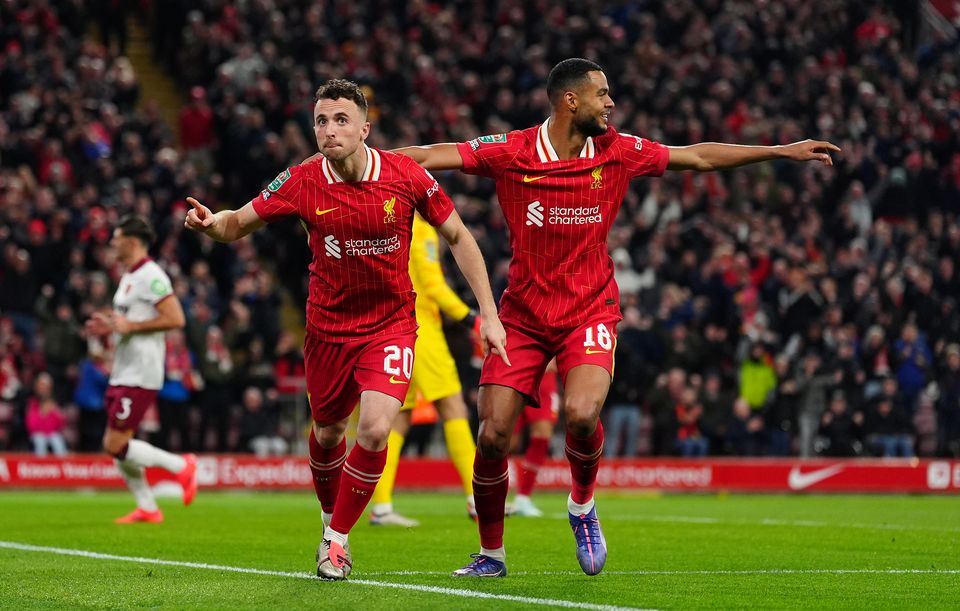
point(560, 185)
point(144, 308)
point(357, 204)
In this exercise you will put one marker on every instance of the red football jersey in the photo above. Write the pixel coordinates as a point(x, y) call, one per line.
point(559, 213)
point(359, 233)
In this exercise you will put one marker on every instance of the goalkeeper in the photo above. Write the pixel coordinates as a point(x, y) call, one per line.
point(434, 377)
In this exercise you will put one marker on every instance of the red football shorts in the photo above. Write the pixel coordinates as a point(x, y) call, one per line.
point(549, 409)
point(592, 343)
point(126, 406)
point(337, 372)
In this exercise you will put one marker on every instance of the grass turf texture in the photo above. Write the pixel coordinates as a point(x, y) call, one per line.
point(671, 552)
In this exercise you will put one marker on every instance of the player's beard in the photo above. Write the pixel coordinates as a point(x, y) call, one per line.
point(589, 126)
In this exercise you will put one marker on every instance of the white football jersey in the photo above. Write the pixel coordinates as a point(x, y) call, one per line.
point(139, 358)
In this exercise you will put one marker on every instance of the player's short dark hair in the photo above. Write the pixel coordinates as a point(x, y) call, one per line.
point(136, 226)
point(338, 88)
point(568, 73)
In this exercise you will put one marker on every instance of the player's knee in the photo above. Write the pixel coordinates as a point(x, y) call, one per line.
point(581, 414)
point(374, 436)
point(114, 447)
point(493, 443)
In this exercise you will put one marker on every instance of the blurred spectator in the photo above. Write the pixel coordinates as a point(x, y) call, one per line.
point(840, 429)
point(623, 411)
point(196, 131)
point(92, 379)
point(258, 426)
point(814, 383)
point(913, 360)
point(690, 441)
point(180, 381)
point(887, 432)
point(948, 404)
point(757, 377)
point(45, 421)
point(666, 396)
point(781, 412)
point(63, 345)
point(744, 430)
point(288, 367)
point(216, 400)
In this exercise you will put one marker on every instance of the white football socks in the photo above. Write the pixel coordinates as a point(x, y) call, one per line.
point(333, 535)
point(579, 509)
point(143, 454)
point(382, 508)
point(497, 554)
point(137, 483)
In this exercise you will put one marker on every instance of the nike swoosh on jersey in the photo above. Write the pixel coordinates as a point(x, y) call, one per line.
point(393, 380)
point(800, 481)
point(592, 351)
point(533, 178)
point(322, 212)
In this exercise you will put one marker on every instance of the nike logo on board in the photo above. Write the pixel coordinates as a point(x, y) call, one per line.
point(800, 481)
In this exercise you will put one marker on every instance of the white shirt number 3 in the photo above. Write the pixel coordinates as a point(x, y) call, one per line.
point(126, 406)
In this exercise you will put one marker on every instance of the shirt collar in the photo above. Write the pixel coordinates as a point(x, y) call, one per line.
point(547, 153)
point(370, 173)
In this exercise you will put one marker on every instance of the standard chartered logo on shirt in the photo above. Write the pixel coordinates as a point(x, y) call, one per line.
point(360, 248)
point(535, 214)
point(562, 216)
point(332, 246)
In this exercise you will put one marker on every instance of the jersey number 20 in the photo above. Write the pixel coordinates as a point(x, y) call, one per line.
point(395, 357)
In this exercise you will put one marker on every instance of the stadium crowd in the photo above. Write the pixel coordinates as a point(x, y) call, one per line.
point(779, 309)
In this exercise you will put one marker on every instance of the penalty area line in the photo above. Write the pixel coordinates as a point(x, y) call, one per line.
point(462, 593)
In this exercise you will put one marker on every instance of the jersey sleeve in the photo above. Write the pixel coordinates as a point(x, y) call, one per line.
point(433, 204)
point(643, 157)
point(425, 261)
point(282, 196)
point(489, 155)
point(156, 287)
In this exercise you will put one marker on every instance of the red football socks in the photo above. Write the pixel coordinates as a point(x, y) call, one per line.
point(361, 473)
point(531, 463)
point(490, 484)
point(326, 466)
point(584, 456)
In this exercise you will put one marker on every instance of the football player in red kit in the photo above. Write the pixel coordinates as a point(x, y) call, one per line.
point(357, 205)
point(560, 185)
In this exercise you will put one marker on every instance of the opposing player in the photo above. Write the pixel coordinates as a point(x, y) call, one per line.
point(144, 308)
point(560, 185)
point(434, 376)
point(540, 419)
point(357, 205)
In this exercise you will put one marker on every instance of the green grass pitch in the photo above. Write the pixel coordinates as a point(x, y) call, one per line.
point(665, 552)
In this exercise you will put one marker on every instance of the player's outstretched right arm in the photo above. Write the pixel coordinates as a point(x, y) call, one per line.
point(434, 156)
point(224, 226)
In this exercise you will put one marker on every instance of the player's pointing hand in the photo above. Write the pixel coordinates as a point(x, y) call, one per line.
point(811, 150)
point(199, 217)
point(493, 338)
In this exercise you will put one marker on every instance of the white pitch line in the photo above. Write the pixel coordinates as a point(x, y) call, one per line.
point(549, 602)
